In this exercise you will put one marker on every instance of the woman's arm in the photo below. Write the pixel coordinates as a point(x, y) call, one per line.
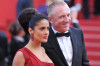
point(19, 59)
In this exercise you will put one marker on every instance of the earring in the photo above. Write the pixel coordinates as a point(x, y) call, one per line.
point(32, 37)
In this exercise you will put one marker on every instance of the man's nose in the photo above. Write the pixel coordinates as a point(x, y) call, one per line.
point(67, 19)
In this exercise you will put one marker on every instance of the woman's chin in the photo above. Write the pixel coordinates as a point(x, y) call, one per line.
point(44, 41)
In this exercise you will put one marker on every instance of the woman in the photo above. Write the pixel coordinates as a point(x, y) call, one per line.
point(38, 28)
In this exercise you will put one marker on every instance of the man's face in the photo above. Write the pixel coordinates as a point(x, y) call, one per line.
point(60, 18)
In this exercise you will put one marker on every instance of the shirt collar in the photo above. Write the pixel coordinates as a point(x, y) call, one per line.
point(55, 31)
point(19, 38)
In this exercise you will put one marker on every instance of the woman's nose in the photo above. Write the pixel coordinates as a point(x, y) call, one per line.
point(46, 31)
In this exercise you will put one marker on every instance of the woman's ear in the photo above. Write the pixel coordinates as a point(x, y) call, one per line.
point(31, 33)
point(30, 30)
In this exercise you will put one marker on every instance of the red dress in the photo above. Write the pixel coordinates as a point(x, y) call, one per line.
point(32, 60)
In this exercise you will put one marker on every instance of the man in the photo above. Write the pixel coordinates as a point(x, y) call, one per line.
point(22, 4)
point(64, 51)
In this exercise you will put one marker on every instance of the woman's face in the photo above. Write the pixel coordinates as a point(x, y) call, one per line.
point(41, 31)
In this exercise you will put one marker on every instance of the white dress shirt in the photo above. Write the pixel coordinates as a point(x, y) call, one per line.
point(66, 47)
point(19, 38)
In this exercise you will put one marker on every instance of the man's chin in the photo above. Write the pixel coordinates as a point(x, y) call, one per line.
point(66, 29)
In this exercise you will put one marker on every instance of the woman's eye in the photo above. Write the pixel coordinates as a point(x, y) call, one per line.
point(42, 28)
point(48, 28)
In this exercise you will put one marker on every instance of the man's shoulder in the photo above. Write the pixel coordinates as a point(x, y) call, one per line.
point(75, 29)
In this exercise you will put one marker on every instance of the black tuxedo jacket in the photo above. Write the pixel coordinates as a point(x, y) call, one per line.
point(53, 50)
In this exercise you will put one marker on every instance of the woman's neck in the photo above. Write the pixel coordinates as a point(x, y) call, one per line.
point(33, 44)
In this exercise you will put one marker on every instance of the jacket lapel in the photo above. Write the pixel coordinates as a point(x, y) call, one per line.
point(74, 44)
point(56, 46)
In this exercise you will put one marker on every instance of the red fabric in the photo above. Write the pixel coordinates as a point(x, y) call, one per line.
point(32, 60)
point(38, 3)
point(78, 1)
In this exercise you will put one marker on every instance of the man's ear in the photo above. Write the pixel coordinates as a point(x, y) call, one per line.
point(50, 19)
point(30, 30)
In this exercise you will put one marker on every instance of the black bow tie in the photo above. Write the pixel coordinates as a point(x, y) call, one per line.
point(62, 34)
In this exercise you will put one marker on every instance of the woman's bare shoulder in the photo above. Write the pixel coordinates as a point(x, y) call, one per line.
point(19, 59)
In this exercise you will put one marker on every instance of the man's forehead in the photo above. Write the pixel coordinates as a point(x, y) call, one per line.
point(61, 7)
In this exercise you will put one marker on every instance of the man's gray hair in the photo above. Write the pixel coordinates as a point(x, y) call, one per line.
point(50, 9)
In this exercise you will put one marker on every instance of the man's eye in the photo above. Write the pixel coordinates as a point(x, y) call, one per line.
point(68, 15)
point(62, 17)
